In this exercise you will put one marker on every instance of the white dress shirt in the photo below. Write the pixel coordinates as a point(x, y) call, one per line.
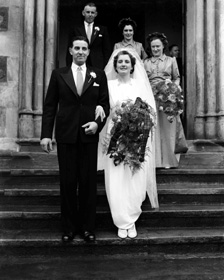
point(74, 71)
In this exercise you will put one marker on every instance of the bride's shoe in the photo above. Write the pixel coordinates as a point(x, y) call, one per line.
point(122, 233)
point(132, 232)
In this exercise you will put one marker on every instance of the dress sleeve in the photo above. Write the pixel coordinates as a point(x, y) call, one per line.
point(111, 86)
point(143, 53)
point(175, 72)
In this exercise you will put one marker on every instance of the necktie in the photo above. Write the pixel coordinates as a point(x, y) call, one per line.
point(89, 32)
point(79, 81)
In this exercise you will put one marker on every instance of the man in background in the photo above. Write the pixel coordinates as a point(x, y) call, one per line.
point(175, 52)
point(97, 35)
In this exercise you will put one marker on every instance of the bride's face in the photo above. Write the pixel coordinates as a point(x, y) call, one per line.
point(124, 64)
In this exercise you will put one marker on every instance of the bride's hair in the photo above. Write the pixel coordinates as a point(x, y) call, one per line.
point(132, 58)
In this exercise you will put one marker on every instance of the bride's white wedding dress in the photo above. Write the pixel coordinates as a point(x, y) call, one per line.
point(125, 191)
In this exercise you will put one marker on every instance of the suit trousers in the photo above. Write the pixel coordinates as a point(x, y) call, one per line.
point(78, 185)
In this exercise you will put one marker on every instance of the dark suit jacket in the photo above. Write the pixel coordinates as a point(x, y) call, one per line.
point(179, 64)
point(69, 109)
point(100, 48)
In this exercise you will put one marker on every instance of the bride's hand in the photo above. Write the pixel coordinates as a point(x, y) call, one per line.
point(99, 112)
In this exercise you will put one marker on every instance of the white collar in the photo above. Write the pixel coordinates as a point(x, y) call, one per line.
point(126, 44)
point(86, 23)
point(154, 59)
point(75, 66)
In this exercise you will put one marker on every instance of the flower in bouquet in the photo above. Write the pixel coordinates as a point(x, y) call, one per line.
point(170, 99)
point(132, 123)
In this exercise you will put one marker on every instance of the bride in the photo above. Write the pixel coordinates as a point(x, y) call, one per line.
point(126, 190)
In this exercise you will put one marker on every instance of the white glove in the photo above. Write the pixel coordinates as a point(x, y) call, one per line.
point(99, 112)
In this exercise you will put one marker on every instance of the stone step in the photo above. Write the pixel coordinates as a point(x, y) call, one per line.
point(203, 158)
point(26, 160)
point(190, 176)
point(167, 177)
point(168, 194)
point(167, 216)
point(169, 241)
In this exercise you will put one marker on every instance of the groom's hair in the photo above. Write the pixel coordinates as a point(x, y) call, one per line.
point(78, 38)
point(132, 58)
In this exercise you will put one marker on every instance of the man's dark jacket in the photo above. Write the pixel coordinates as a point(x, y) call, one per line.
point(70, 110)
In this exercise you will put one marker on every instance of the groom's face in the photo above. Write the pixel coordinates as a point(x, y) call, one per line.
point(79, 52)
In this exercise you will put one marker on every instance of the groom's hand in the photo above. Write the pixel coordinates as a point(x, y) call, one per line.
point(90, 128)
point(46, 145)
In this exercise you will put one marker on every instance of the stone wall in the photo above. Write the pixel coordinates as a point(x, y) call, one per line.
point(11, 36)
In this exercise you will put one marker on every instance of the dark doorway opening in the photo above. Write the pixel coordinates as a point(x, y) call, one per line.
point(154, 15)
point(166, 16)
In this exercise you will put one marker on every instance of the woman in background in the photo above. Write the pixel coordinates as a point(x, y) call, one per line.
point(128, 28)
point(160, 67)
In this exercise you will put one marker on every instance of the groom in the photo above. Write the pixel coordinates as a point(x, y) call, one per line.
point(73, 94)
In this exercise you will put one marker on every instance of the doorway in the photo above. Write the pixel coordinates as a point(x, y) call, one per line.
point(155, 15)
point(166, 16)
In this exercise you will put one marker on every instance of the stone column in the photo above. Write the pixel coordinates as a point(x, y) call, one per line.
point(51, 38)
point(26, 112)
point(39, 56)
point(199, 118)
point(39, 67)
point(210, 70)
point(220, 71)
point(208, 41)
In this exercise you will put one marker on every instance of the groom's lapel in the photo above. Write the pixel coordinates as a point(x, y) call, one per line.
point(82, 30)
point(94, 33)
point(69, 79)
point(88, 80)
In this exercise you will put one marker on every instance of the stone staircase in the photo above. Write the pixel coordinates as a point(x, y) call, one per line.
point(190, 218)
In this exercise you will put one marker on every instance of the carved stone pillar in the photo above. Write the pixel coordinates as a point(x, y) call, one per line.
point(210, 70)
point(220, 70)
point(199, 119)
point(40, 41)
point(39, 67)
point(205, 69)
point(26, 112)
point(51, 39)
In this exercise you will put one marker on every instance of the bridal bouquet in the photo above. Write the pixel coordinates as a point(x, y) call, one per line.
point(129, 134)
point(169, 99)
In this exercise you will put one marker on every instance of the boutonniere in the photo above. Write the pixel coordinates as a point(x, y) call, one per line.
point(92, 76)
point(97, 29)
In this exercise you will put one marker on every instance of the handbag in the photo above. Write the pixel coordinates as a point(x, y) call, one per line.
point(180, 141)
